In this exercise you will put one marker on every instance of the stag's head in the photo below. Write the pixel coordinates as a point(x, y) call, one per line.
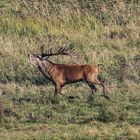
point(34, 59)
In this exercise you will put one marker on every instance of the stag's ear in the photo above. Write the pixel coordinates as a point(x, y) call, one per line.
point(39, 56)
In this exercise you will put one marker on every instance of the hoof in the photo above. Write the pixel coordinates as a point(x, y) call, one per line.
point(107, 97)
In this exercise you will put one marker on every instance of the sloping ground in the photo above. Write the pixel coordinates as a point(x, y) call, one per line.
point(102, 32)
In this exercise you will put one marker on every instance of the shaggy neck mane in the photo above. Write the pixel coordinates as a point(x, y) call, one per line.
point(47, 68)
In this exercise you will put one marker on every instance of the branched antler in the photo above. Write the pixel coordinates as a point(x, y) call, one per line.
point(61, 51)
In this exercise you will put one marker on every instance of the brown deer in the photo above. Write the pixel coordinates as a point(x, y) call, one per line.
point(62, 74)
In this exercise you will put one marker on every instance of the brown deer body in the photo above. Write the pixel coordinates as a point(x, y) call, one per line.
point(62, 74)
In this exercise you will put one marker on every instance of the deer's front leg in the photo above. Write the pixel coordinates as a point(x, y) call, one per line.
point(57, 89)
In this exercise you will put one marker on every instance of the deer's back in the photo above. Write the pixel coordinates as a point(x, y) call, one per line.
point(70, 73)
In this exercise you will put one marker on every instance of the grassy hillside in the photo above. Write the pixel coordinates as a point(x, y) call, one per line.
point(102, 32)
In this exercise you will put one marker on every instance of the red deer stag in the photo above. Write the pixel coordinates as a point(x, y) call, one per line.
point(62, 74)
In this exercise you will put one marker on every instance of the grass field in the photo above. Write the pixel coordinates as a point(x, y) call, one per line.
point(102, 32)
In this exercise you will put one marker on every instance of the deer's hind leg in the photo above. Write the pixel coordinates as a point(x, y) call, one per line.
point(57, 89)
point(92, 80)
point(100, 82)
point(92, 86)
